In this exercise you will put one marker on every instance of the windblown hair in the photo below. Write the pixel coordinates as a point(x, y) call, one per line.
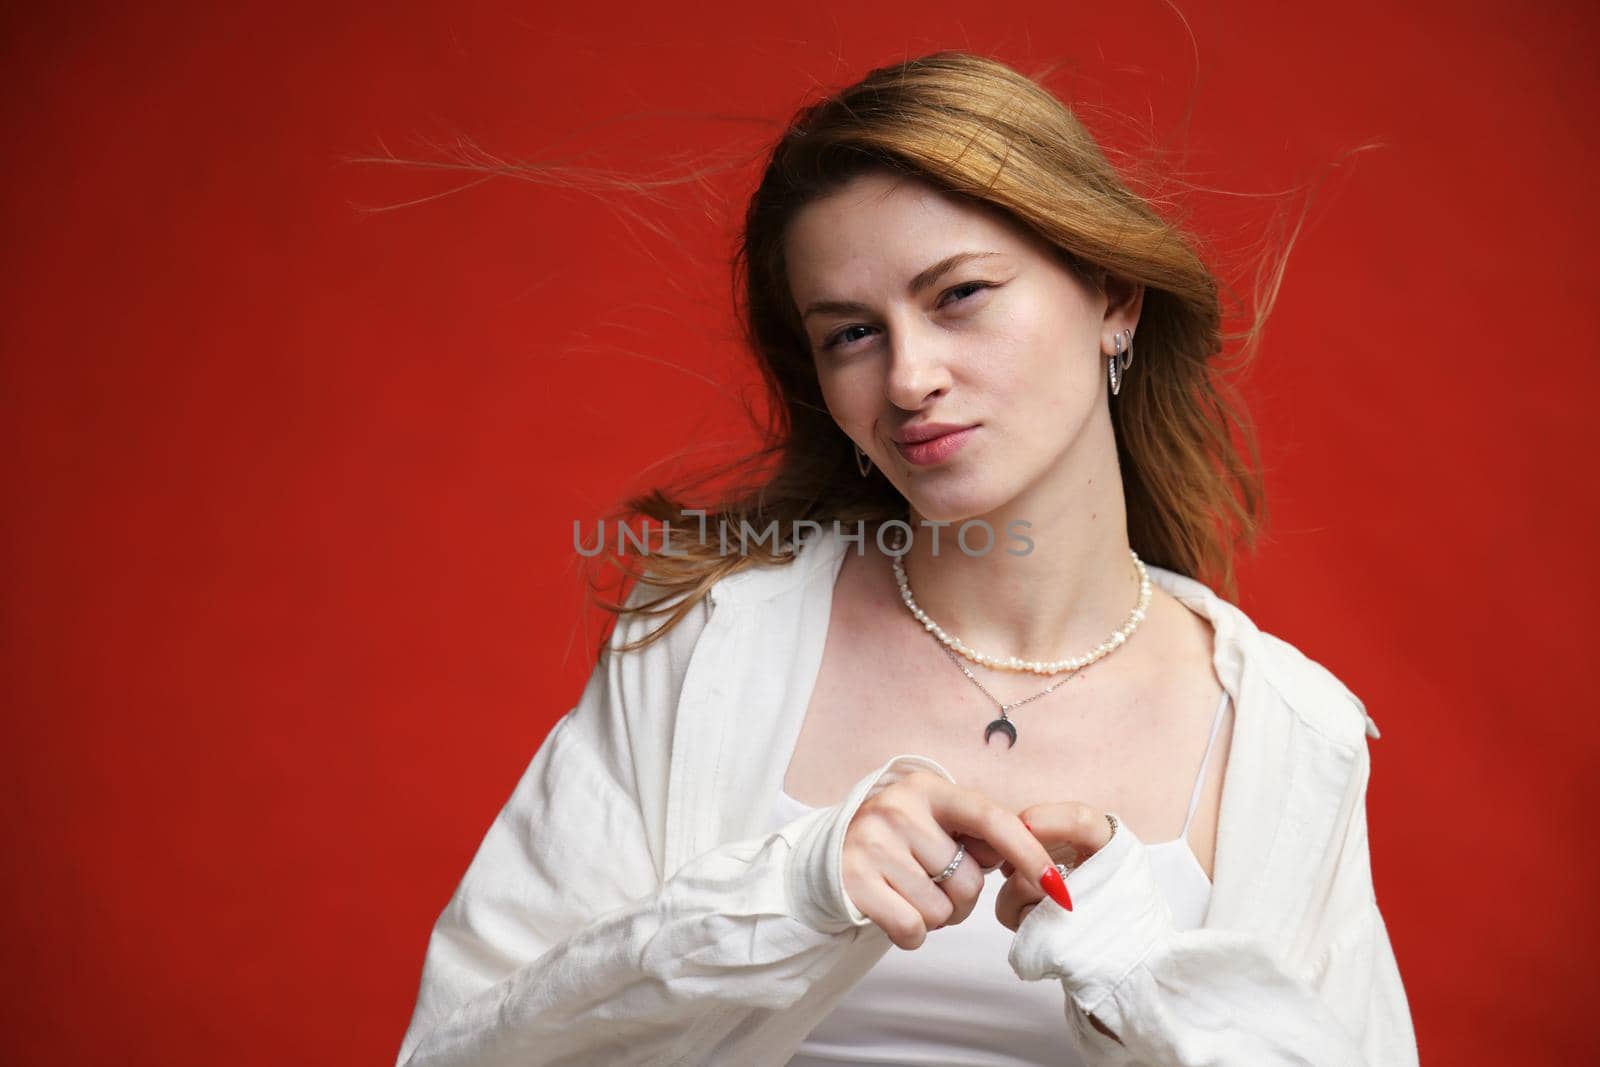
point(975, 128)
point(978, 130)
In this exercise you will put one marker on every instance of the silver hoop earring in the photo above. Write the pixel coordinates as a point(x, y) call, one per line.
point(1119, 360)
point(863, 461)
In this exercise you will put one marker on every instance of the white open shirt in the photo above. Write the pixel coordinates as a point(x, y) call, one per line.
point(629, 906)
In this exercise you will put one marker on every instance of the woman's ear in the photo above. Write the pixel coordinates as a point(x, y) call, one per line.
point(1124, 303)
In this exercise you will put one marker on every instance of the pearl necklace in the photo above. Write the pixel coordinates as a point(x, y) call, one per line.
point(1012, 663)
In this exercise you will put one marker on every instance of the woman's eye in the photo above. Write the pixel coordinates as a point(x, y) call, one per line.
point(970, 285)
point(839, 338)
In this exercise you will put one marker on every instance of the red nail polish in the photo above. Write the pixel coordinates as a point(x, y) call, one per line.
point(1056, 886)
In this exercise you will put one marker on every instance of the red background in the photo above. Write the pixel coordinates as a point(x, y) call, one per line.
point(289, 595)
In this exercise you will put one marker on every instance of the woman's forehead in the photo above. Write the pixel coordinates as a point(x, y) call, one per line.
point(884, 237)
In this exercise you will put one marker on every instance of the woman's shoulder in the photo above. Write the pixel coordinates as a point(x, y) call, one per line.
point(650, 605)
point(1315, 694)
point(757, 590)
point(807, 562)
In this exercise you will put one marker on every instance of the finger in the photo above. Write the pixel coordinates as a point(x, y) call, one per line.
point(901, 842)
point(966, 811)
point(892, 913)
point(961, 889)
point(876, 898)
point(933, 850)
point(930, 901)
point(1071, 831)
point(1011, 908)
point(979, 850)
point(963, 910)
point(1014, 898)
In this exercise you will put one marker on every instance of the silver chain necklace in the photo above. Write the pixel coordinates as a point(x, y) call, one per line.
point(954, 647)
point(1004, 724)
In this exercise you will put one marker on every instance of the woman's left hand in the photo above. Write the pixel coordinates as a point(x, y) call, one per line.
point(1071, 832)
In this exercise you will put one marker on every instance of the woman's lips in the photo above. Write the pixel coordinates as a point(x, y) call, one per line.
point(935, 449)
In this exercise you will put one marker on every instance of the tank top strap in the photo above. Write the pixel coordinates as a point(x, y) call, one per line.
point(1200, 779)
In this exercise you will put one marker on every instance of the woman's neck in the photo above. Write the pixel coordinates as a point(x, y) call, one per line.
point(1065, 595)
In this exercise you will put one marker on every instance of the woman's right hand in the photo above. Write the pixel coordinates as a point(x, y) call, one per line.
point(904, 835)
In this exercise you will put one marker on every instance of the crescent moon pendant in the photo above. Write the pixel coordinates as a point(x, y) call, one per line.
point(1001, 725)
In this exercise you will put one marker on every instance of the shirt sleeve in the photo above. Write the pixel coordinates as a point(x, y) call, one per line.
point(562, 944)
point(1216, 996)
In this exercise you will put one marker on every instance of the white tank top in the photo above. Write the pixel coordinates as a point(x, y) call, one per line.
point(955, 1000)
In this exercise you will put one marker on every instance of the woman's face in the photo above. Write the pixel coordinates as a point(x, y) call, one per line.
point(1003, 346)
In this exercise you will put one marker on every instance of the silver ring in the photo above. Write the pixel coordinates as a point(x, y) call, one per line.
point(1068, 868)
point(961, 854)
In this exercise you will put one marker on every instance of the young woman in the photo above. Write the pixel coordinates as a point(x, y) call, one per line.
point(816, 802)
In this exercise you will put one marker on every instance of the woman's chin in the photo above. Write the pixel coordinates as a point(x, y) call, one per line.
point(953, 509)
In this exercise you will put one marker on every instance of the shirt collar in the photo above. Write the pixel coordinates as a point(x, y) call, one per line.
point(1237, 640)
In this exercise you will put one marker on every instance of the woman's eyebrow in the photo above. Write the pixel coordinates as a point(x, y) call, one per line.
point(922, 281)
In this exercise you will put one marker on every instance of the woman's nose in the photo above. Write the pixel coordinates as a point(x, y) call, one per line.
point(918, 369)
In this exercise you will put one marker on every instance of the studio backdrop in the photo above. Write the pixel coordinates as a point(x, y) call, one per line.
point(296, 440)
